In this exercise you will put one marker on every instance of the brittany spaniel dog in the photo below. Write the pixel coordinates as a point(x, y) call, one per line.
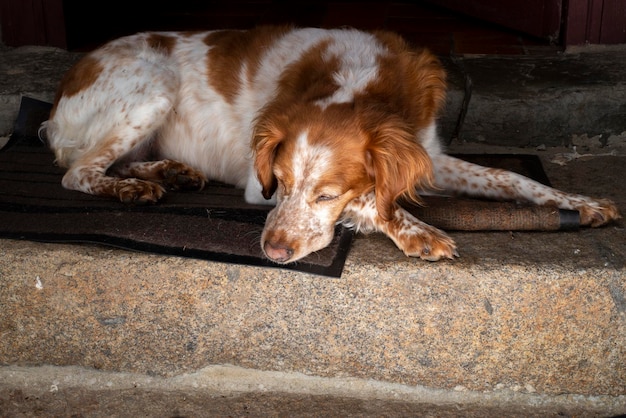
point(330, 126)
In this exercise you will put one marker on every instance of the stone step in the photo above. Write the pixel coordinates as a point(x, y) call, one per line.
point(534, 323)
point(542, 314)
point(512, 101)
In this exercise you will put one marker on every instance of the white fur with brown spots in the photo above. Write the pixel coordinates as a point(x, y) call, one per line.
point(331, 126)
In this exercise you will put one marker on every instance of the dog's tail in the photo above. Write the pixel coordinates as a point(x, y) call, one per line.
point(42, 133)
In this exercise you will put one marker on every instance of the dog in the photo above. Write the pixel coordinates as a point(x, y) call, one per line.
point(330, 126)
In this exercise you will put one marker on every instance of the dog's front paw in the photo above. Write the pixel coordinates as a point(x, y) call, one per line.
point(418, 239)
point(427, 243)
point(135, 191)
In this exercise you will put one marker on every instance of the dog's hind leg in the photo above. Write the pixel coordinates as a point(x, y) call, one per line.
point(463, 178)
point(88, 172)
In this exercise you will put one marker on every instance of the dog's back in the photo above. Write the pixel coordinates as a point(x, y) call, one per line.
point(332, 125)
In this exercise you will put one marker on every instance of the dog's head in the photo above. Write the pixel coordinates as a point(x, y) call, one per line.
point(317, 155)
point(319, 161)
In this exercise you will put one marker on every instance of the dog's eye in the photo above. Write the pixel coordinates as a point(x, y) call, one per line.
point(324, 198)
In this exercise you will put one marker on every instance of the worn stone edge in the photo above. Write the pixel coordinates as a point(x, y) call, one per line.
point(225, 380)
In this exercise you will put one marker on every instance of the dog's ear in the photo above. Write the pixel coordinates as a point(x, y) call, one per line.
point(397, 163)
point(265, 142)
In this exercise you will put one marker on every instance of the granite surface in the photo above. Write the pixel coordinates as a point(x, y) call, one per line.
point(544, 100)
point(542, 312)
point(220, 391)
point(481, 326)
point(529, 313)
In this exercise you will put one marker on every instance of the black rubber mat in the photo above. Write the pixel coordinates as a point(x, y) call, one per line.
point(213, 224)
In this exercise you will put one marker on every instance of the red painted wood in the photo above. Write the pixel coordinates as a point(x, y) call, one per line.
point(595, 22)
point(43, 22)
point(575, 22)
point(613, 29)
point(32, 22)
point(541, 18)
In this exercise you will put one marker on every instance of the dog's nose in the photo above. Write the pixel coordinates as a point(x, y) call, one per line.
point(278, 252)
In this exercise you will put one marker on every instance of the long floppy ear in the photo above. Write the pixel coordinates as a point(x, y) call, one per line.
point(265, 141)
point(398, 164)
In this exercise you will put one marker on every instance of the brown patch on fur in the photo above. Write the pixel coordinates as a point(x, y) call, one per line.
point(269, 135)
point(393, 113)
point(303, 83)
point(383, 120)
point(231, 49)
point(310, 78)
point(398, 163)
point(337, 128)
point(161, 42)
point(421, 94)
point(80, 77)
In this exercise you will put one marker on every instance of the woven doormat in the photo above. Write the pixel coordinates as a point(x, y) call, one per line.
point(213, 224)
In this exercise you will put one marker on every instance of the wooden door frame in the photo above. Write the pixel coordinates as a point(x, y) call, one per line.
point(539, 18)
point(570, 22)
point(594, 22)
point(42, 22)
point(33, 22)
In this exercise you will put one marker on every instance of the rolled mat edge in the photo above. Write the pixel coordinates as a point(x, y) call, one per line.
point(479, 215)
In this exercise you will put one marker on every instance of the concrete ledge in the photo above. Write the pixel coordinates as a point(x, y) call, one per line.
point(512, 101)
point(234, 391)
point(32, 71)
point(533, 314)
point(482, 322)
point(529, 100)
point(536, 315)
